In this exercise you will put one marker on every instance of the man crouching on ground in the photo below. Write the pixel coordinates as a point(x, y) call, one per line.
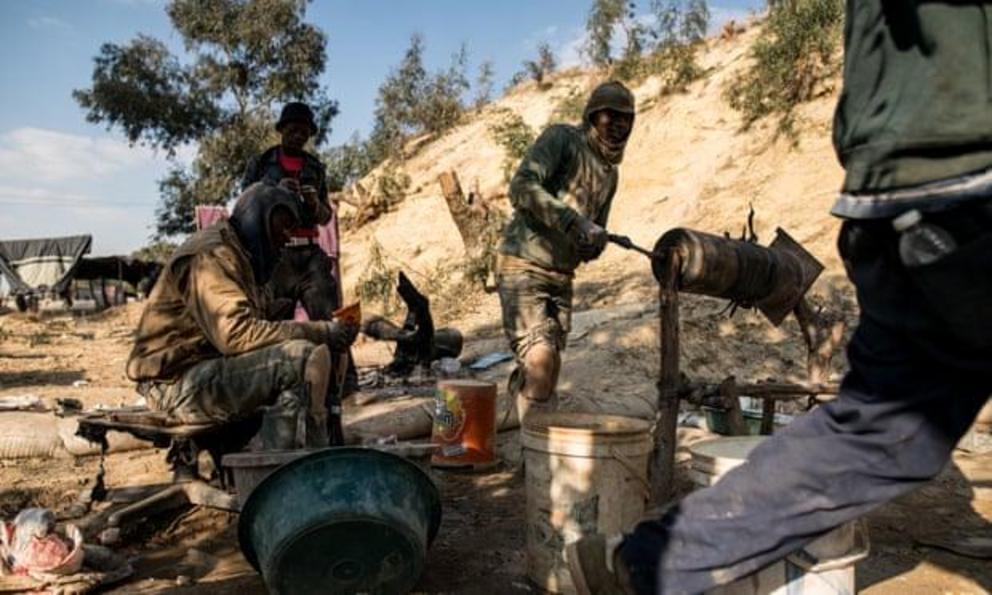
point(206, 350)
point(561, 196)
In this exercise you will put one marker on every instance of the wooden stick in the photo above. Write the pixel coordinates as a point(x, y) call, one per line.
point(775, 391)
point(663, 460)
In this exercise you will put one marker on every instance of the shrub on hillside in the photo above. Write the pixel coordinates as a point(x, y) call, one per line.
point(680, 28)
point(376, 284)
point(514, 135)
point(569, 110)
point(794, 54)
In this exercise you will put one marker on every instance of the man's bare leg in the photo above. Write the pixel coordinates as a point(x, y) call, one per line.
point(541, 367)
point(317, 374)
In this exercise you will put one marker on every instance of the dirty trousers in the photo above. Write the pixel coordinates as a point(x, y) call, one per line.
point(228, 388)
point(537, 309)
point(536, 305)
point(920, 371)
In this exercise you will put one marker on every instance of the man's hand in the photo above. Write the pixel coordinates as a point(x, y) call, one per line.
point(340, 334)
point(291, 184)
point(309, 194)
point(590, 240)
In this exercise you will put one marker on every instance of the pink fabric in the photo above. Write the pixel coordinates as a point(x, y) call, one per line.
point(207, 215)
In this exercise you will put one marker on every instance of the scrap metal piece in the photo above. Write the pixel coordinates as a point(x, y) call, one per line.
point(772, 279)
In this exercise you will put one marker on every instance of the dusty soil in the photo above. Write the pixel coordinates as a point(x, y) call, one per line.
point(480, 548)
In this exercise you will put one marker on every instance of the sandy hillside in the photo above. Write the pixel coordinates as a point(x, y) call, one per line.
point(688, 164)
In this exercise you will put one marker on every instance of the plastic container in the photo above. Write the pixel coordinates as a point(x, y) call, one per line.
point(585, 474)
point(464, 424)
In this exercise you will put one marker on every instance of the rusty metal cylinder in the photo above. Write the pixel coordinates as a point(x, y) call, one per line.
point(772, 279)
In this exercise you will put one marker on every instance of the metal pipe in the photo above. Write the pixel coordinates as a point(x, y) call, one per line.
point(773, 279)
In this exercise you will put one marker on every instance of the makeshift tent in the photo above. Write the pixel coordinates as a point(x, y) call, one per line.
point(42, 265)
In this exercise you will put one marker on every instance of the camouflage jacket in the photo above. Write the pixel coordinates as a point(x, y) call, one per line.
point(206, 304)
point(561, 179)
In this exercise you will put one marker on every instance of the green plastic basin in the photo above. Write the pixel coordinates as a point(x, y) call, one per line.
point(341, 520)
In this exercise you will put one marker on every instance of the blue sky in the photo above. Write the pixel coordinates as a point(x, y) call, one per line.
point(60, 175)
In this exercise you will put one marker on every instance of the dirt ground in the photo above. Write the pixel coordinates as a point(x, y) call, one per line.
point(480, 547)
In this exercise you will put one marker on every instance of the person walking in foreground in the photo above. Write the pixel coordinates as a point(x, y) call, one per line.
point(561, 196)
point(207, 348)
point(913, 130)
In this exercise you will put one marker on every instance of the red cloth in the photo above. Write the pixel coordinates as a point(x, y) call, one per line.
point(291, 165)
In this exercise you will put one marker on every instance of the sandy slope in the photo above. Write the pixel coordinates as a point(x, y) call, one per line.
point(687, 164)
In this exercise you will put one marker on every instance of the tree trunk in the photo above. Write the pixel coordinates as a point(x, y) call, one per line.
point(472, 216)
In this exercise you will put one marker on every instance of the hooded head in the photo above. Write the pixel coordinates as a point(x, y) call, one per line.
point(608, 133)
point(262, 218)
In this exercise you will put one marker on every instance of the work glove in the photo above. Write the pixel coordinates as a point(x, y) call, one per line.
point(590, 239)
point(339, 335)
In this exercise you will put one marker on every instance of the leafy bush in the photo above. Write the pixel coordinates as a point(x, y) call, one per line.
point(794, 53)
point(377, 283)
point(570, 108)
point(515, 136)
point(480, 268)
point(393, 184)
point(158, 251)
point(680, 28)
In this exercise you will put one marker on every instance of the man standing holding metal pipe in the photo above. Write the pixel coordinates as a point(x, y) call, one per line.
point(561, 196)
point(913, 130)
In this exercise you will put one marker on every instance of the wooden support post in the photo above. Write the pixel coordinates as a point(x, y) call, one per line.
point(663, 461)
point(767, 417)
point(822, 338)
point(732, 402)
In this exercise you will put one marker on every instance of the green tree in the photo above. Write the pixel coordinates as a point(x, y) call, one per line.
point(347, 163)
point(484, 84)
point(679, 22)
point(412, 101)
point(243, 58)
point(158, 251)
point(544, 65)
point(796, 51)
point(604, 17)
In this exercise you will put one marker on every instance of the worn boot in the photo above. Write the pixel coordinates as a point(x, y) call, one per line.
point(283, 424)
point(596, 567)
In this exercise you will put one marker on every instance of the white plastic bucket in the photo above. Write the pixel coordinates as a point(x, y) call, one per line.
point(824, 567)
point(585, 474)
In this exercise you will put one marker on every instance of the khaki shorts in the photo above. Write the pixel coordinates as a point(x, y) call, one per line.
point(536, 304)
point(225, 388)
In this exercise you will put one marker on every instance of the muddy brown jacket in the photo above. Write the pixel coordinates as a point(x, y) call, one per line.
point(205, 305)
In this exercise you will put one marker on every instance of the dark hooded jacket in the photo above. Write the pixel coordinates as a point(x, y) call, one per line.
point(265, 168)
point(917, 100)
point(208, 302)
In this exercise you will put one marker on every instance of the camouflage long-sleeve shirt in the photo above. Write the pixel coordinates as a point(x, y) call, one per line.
point(561, 179)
